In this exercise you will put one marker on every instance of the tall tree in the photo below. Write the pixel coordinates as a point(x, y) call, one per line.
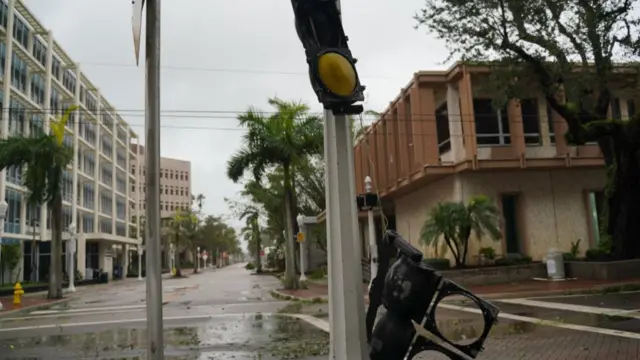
point(182, 228)
point(45, 157)
point(252, 217)
point(569, 50)
point(279, 139)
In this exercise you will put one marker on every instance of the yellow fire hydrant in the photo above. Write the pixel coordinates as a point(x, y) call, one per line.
point(17, 294)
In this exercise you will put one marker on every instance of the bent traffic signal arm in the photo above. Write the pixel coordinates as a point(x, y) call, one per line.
point(332, 70)
point(412, 292)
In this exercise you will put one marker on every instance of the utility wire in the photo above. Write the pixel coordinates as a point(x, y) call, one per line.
point(212, 69)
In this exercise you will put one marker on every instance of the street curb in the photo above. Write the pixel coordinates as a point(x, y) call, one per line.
point(282, 296)
point(4, 314)
point(601, 289)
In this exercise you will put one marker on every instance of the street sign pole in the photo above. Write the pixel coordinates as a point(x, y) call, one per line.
point(155, 343)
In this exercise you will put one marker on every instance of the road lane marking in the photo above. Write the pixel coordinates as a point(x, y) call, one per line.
point(141, 320)
point(108, 322)
point(624, 334)
point(47, 312)
point(126, 309)
point(575, 308)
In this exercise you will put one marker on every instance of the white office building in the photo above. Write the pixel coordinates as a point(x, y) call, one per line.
point(98, 196)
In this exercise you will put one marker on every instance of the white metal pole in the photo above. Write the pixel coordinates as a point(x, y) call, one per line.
point(198, 258)
point(155, 343)
point(346, 298)
point(6, 111)
point(140, 259)
point(71, 250)
point(303, 229)
point(373, 246)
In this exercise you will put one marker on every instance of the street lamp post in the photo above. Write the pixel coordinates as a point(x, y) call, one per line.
point(373, 246)
point(198, 258)
point(3, 214)
point(71, 251)
point(140, 251)
point(302, 242)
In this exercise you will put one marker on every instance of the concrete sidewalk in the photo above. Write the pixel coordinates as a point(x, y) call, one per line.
point(319, 290)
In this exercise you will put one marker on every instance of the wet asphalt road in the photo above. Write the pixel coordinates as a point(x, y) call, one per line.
point(229, 314)
point(217, 314)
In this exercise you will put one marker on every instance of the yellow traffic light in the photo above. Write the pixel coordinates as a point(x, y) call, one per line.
point(337, 74)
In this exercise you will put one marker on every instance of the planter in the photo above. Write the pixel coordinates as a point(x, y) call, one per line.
point(603, 270)
point(492, 275)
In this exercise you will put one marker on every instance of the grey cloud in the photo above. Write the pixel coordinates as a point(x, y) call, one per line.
point(240, 34)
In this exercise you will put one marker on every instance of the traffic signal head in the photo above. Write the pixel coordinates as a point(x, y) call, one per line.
point(332, 70)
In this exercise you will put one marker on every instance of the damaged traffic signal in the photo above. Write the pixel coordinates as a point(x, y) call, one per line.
point(332, 70)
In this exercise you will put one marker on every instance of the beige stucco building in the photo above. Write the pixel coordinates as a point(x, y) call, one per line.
point(175, 184)
point(441, 140)
point(175, 189)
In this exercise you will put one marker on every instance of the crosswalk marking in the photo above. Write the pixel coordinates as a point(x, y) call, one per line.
point(575, 308)
point(536, 321)
point(102, 309)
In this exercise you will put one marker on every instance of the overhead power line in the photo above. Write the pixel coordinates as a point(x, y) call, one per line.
point(212, 69)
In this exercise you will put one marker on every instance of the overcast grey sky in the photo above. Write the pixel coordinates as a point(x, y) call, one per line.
point(255, 41)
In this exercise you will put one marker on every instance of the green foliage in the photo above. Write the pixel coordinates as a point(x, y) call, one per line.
point(438, 264)
point(597, 255)
point(575, 248)
point(45, 159)
point(10, 256)
point(488, 252)
point(513, 259)
point(275, 145)
point(250, 266)
point(319, 273)
point(455, 222)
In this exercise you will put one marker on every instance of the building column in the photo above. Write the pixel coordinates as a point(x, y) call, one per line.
point(114, 171)
point(455, 124)
point(516, 128)
point(23, 214)
point(46, 117)
point(465, 91)
point(81, 254)
point(125, 263)
point(98, 167)
point(106, 262)
point(425, 128)
point(403, 156)
point(127, 192)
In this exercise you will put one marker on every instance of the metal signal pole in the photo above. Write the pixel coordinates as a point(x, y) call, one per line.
point(155, 343)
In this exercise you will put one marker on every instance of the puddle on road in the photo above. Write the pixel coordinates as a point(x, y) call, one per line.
point(623, 301)
point(620, 323)
point(247, 336)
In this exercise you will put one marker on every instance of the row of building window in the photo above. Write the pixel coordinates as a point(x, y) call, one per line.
point(166, 190)
point(165, 173)
point(492, 127)
point(165, 206)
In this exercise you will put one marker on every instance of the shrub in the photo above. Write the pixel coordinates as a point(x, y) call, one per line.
point(514, 259)
point(597, 255)
point(318, 273)
point(250, 266)
point(488, 252)
point(438, 264)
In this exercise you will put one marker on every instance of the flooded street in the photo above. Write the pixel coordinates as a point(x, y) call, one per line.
point(229, 314)
point(227, 337)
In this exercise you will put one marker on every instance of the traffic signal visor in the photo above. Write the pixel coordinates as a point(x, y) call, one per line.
point(337, 74)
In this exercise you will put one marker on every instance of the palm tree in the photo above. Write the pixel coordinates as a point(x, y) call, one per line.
point(252, 215)
point(278, 140)
point(455, 222)
point(45, 157)
point(183, 228)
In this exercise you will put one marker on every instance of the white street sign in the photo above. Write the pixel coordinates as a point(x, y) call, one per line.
point(136, 22)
